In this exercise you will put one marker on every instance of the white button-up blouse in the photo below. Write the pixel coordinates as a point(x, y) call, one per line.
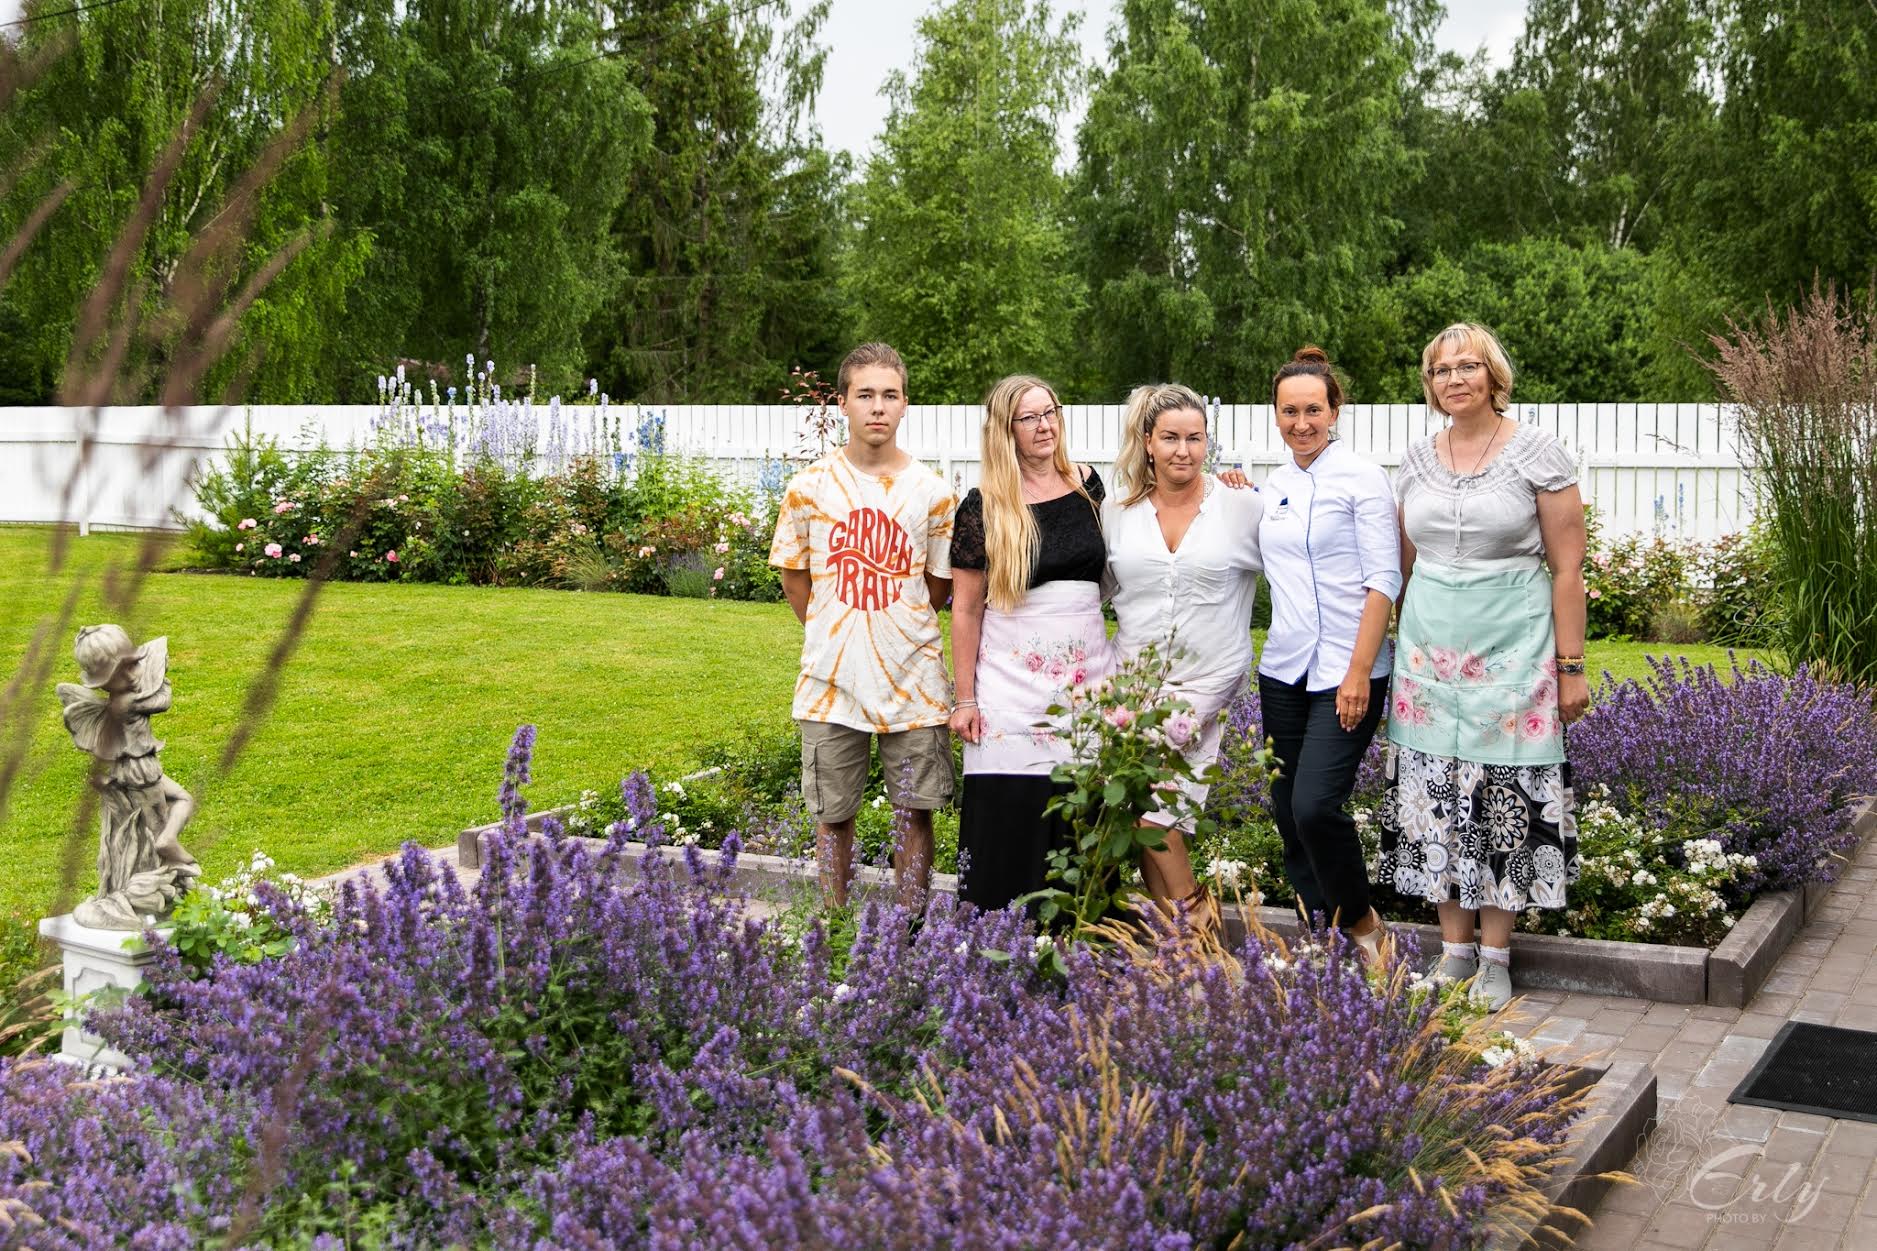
point(1200, 595)
point(1330, 537)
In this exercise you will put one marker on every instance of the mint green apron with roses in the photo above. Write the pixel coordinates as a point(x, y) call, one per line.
point(1476, 674)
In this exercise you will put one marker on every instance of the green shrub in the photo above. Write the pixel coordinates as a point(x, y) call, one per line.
point(1629, 582)
point(1739, 598)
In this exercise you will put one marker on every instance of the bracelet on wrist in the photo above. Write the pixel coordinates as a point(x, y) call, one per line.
point(964, 703)
point(1570, 668)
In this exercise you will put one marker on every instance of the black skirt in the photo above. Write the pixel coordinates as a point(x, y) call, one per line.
point(1004, 840)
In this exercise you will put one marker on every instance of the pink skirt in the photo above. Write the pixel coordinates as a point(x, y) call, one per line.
point(1027, 661)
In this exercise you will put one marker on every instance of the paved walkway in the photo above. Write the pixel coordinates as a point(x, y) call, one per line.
point(1714, 1174)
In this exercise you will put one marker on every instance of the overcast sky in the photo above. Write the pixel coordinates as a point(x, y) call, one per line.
point(867, 38)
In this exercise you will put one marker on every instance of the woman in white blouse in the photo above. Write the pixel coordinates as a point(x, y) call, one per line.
point(1183, 557)
point(1478, 815)
point(1332, 555)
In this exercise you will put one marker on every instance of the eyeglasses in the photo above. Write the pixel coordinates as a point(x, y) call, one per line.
point(1466, 369)
point(1027, 421)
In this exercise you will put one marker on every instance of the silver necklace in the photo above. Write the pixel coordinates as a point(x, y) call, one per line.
point(1470, 482)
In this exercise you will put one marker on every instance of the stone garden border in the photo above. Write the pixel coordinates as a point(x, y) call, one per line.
point(1727, 976)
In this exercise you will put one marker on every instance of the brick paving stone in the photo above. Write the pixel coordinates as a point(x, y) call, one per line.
point(1821, 1209)
point(1666, 1014)
point(1747, 1123)
point(1857, 1016)
point(1844, 981)
point(1801, 1238)
point(1758, 1025)
point(1821, 1007)
point(1701, 1032)
point(1840, 1174)
point(1681, 1224)
point(1786, 1145)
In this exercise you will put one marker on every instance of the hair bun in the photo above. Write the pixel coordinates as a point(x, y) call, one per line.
point(1310, 353)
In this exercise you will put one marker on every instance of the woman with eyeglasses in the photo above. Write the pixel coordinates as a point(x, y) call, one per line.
point(1027, 560)
point(1489, 665)
point(1183, 555)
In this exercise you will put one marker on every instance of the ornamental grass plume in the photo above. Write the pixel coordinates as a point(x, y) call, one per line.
point(1768, 763)
point(1803, 382)
point(602, 1050)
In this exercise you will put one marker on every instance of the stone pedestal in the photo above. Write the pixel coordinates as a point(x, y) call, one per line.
point(95, 960)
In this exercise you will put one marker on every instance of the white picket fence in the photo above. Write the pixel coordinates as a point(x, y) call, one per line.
point(1671, 469)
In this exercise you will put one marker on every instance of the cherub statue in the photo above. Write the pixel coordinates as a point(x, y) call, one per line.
point(142, 867)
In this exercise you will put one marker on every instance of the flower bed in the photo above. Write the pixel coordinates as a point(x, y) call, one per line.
point(558, 1059)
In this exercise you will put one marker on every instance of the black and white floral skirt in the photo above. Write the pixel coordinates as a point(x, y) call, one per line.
point(1493, 836)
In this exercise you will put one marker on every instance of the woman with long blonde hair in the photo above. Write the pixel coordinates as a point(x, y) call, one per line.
point(1027, 558)
point(1184, 558)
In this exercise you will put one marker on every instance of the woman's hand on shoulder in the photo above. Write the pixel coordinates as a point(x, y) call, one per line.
point(1236, 479)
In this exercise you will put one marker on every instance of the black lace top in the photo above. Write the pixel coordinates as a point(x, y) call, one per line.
point(1071, 549)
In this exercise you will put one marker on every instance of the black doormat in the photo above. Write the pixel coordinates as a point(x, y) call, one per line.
point(1815, 1068)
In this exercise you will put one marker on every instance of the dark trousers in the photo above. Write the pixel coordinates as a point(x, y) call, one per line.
point(1319, 759)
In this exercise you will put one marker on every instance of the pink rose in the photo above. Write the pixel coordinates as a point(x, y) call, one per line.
point(1056, 667)
point(1119, 717)
point(718, 575)
point(1595, 593)
point(1034, 662)
point(721, 548)
point(1421, 715)
point(391, 557)
point(241, 547)
point(1473, 667)
point(248, 523)
point(1549, 665)
point(353, 555)
point(283, 506)
point(1545, 691)
point(1181, 728)
point(1404, 711)
point(1417, 659)
point(294, 559)
point(1446, 661)
point(1535, 725)
point(1078, 677)
point(272, 549)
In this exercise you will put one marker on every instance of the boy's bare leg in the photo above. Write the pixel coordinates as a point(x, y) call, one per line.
point(912, 866)
point(834, 857)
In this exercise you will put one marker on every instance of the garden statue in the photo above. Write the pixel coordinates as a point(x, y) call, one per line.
point(142, 867)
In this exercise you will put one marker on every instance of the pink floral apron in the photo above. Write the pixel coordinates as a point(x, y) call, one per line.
point(1027, 661)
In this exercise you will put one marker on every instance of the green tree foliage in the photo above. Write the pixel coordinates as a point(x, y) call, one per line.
point(488, 145)
point(727, 232)
point(1239, 167)
point(99, 115)
point(960, 255)
point(1574, 318)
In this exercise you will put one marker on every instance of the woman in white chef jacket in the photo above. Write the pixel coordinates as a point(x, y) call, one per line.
point(1183, 558)
point(1332, 555)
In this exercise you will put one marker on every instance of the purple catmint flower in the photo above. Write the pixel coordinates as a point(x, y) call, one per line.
point(1768, 762)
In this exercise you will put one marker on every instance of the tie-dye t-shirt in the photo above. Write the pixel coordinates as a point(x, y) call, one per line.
point(871, 653)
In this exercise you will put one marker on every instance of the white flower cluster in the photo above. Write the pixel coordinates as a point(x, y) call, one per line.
point(1508, 1049)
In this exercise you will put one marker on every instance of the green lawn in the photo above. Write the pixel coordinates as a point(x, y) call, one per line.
point(395, 713)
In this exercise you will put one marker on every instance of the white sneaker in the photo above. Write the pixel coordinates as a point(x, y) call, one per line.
point(1493, 986)
point(1455, 969)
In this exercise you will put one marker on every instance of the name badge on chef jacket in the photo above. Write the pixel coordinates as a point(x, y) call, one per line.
point(1282, 510)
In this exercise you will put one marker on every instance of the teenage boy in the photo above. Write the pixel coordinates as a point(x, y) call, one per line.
point(863, 542)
